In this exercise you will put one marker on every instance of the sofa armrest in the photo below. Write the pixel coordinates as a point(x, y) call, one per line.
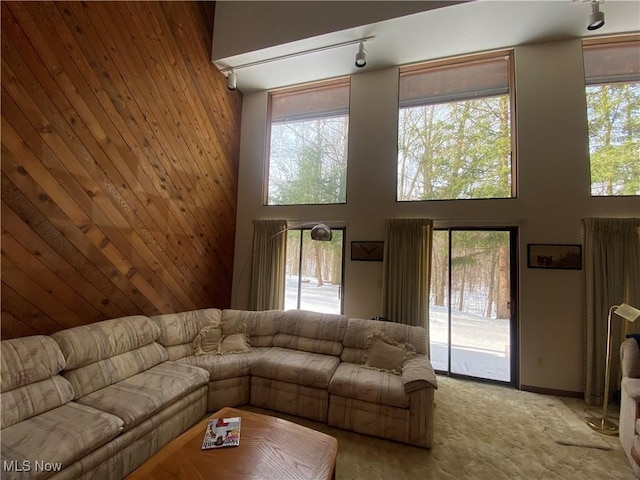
point(631, 388)
point(418, 373)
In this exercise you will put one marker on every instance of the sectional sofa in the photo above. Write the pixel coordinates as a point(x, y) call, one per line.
point(97, 401)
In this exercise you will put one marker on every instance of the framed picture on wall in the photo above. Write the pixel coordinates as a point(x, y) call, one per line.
point(367, 251)
point(554, 256)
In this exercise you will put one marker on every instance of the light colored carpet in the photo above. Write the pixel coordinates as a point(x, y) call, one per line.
point(487, 432)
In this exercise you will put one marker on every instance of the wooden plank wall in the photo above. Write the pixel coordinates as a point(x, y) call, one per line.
point(119, 163)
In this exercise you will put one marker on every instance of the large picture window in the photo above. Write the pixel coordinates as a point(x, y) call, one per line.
point(612, 76)
point(308, 145)
point(455, 130)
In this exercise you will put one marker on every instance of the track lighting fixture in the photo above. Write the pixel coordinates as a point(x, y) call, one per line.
point(596, 19)
point(361, 56)
point(231, 80)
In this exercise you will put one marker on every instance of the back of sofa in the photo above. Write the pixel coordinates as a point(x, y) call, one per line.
point(30, 381)
point(260, 326)
point(103, 353)
point(179, 330)
point(359, 330)
point(311, 332)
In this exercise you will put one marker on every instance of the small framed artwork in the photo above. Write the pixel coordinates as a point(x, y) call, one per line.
point(554, 256)
point(367, 251)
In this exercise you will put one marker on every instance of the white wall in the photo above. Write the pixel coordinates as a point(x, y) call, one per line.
point(553, 198)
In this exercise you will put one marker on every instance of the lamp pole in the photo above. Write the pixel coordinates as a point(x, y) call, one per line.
point(603, 425)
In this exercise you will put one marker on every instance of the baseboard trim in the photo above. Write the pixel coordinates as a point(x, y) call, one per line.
point(552, 391)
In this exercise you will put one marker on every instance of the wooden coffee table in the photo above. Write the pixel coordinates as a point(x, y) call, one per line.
point(270, 448)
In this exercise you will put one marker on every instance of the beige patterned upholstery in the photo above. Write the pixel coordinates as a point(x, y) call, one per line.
point(178, 330)
point(226, 366)
point(311, 332)
point(102, 398)
point(97, 341)
point(63, 435)
point(291, 398)
point(28, 360)
point(260, 326)
point(143, 395)
point(30, 381)
point(358, 331)
point(379, 403)
point(103, 373)
point(353, 381)
point(116, 459)
point(292, 366)
point(294, 375)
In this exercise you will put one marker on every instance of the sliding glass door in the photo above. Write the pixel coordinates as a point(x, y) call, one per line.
point(472, 304)
point(314, 272)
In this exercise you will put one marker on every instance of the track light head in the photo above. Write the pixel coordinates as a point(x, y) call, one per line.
point(361, 56)
point(596, 19)
point(231, 80)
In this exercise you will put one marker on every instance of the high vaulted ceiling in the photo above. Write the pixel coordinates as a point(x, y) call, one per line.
point(405, 32)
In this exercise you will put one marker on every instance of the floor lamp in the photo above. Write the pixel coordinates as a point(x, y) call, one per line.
point(603, 425)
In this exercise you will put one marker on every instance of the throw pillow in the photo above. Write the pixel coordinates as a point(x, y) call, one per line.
point(385, 354)
point(236, 343)
point(208, 340)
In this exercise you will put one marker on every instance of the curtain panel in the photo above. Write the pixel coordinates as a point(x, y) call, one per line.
point(612, 277)
point(266, 291)
point(407, 271)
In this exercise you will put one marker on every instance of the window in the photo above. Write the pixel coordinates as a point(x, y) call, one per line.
point(612, 77)
point(314, 272)
point(455, 130)
point(308, 145)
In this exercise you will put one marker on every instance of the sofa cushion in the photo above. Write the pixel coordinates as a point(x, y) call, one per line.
point(30, 382)
point(221, 367)
point(25, 402)
point(311, 331)
point(261, 326)
point(293, 366)
point(94, 342)
point(176, 352)
point(180, 328)
point(143, 395)
point(358, 331)
point(97, 375)
point(63, 435)
point(28, 360)
point(353, 381)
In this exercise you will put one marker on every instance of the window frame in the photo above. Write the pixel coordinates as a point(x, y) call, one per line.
point(593, 43)
point(267, 152)
point(459, 61)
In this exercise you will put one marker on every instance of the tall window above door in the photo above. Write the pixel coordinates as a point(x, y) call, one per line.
point(307, 154)
point(612, 77)
point(455, 129)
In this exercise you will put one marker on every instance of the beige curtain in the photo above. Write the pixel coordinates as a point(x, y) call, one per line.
point(268, 265)
point(612, 276)
point(407, 271)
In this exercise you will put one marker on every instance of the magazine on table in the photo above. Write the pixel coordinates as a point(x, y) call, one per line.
point(222, 432)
